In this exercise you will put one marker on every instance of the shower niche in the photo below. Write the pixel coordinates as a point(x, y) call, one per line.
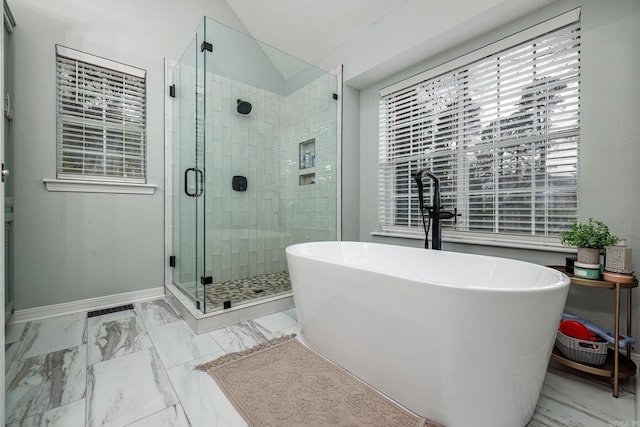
point(242, 110)
point(307, 155)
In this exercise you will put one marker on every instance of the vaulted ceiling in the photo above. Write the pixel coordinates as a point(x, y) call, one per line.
point(373, 37)
point(310, 29)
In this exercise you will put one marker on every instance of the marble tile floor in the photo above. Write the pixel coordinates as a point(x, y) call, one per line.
point(135, 368)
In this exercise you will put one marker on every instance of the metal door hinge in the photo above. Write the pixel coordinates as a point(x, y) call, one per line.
point(206, 280)
point(4, 173)
point(172, 261)
point(206, 46)
point(172, 91)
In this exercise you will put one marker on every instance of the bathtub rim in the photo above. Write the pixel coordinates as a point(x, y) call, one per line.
point(562, 280)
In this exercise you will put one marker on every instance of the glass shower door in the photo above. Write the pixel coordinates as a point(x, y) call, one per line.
point(189, 174)
point(191, 269)
point(201, 162)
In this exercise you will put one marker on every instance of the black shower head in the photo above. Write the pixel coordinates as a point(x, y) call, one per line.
point(244, 107)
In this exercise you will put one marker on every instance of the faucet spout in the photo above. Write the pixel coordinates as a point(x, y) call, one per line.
point(434, 211)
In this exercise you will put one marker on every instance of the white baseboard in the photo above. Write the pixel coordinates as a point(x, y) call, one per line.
point(89, 304)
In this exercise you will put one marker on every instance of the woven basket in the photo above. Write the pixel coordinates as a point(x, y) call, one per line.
point(588, 352)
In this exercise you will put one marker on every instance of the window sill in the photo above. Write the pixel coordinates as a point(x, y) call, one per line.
point(535, 245)
point(98, 187)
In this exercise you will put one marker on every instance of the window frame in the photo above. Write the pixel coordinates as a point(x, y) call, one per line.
point(120, 161)
point(490, 238)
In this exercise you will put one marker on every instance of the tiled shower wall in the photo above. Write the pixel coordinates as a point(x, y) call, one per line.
point(244, 229)
point(246, 232)
point(311, 209)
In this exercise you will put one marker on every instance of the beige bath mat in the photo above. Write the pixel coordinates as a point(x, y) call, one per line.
point(283, 383)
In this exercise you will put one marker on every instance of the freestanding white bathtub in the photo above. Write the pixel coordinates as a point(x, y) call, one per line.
point(460, 339)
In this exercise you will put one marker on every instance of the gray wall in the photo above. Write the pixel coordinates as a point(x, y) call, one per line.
point(350, 163)
point(72, 246)
point(610, 133)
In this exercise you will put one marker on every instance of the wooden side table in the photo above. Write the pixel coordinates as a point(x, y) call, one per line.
point(616, 366)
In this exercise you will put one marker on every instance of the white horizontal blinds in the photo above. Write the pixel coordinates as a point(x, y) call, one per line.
point(501, 133)
point(101, 124)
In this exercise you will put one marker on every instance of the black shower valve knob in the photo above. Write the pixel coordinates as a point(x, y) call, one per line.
point(239, 183)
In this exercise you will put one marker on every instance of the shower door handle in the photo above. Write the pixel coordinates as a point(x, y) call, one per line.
point(200, 181)
point(186, 181)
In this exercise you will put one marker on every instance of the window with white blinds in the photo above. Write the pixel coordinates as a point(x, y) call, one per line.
point(101, 120)
point(500, 129)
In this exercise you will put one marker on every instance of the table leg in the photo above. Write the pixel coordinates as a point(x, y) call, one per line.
point(629, 321)
point(616, 366)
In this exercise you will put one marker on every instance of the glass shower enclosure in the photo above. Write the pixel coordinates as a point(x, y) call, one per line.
point(254, 165)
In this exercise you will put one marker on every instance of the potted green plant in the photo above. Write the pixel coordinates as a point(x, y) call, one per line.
point(590, 238)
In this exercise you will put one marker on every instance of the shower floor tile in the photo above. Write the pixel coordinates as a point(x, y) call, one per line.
point(243, 290)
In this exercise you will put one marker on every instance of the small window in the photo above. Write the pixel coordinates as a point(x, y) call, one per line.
point(101, 119)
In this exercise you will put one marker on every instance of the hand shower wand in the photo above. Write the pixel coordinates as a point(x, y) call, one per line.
point(434, 213)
